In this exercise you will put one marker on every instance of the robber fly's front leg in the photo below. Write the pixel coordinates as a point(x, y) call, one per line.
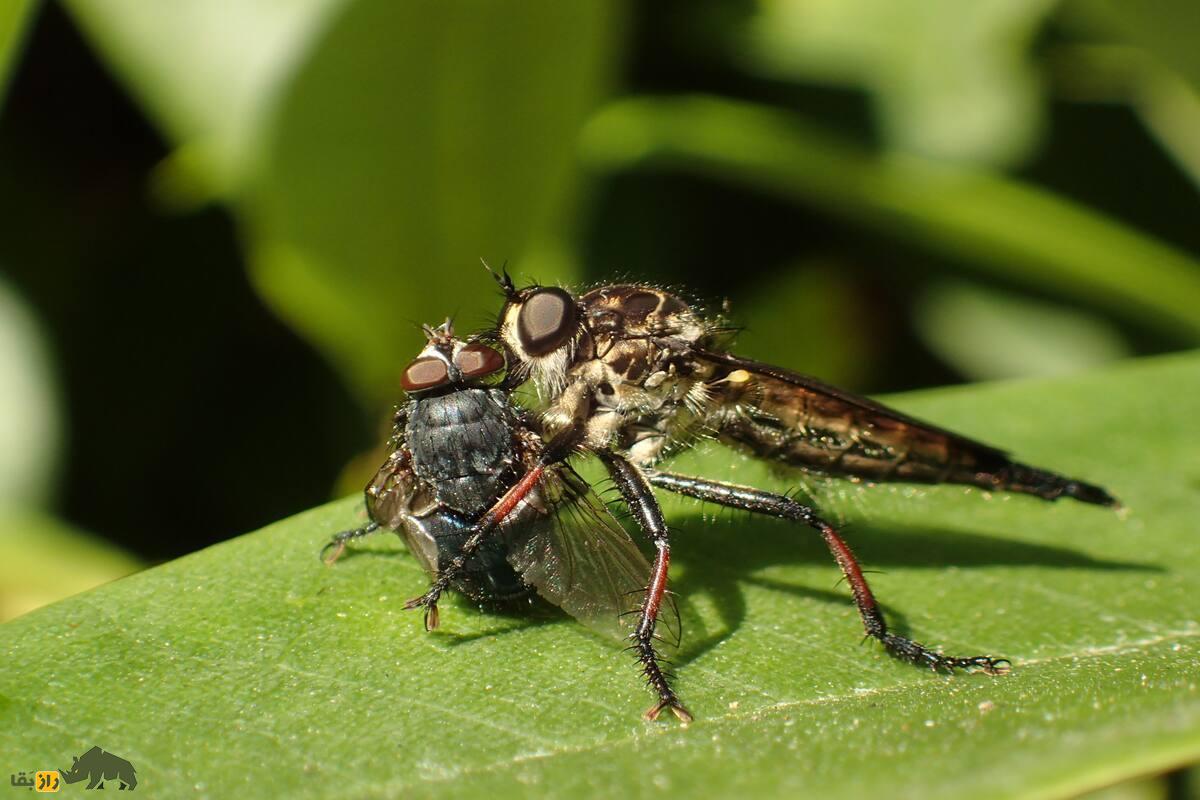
point(786, 508)
point(557, 450)
point(641, 501)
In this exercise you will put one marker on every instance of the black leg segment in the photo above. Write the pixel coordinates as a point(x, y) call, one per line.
point(781, 507)
point(338, 543)
point(645, 509)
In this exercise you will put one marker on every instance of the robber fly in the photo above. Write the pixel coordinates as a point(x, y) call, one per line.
point(487, 508)
point(633, 373)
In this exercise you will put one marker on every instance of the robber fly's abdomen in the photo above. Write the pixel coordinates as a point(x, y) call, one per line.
point(838, 444)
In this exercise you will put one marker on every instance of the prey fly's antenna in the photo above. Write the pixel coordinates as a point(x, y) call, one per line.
point(504, 279)
point(443, 332)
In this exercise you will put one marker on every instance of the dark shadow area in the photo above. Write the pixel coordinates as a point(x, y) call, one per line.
point(511, 619)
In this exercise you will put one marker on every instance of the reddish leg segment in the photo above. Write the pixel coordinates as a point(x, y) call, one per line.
point(782, 507)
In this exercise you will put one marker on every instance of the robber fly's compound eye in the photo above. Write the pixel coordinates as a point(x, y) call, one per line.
point(477, 360)
point(424, 373)
point(546, 320)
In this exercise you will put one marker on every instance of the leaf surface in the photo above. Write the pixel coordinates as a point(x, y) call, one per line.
point(249, 668)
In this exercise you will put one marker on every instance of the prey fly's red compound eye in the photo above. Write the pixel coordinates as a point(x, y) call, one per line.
point(424, 373)
point(546, 320)
point(477, 360)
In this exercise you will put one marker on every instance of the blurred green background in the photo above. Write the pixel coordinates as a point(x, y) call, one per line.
point(224, 221)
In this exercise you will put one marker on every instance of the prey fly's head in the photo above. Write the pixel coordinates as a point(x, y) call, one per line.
point(447, 363)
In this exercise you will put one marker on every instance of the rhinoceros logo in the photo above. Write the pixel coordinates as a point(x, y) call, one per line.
point(98, 766)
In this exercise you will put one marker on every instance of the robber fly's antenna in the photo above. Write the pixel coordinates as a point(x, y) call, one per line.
point(504, 279)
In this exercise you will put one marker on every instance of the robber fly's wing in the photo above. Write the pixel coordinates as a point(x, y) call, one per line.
point(784, 387)
point(579, 557)
point(798, 420)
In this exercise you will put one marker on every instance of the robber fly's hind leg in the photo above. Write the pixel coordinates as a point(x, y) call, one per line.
point(337, 544)
point(782, 507)
point(640, 498)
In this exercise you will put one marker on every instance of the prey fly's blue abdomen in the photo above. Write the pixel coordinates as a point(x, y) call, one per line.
point(461, 446)
point(487, 575)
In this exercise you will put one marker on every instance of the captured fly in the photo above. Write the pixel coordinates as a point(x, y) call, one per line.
point(633, 374)
point(485, 507)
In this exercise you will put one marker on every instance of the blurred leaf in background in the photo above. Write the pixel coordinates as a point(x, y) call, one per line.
point(208, 73)
point(1143, 55)
point(42, 559)
point(993, 335)
point(29, 416)
point(948, 79)
point(374, 151)
point(14, 21)
point(987, 221)
point(816, 304)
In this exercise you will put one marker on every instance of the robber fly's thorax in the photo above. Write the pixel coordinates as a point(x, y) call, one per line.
point(630, 378)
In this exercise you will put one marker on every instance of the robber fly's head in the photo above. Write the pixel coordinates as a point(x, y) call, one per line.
point(448, 363)
point(540, 328)
point(546, 330)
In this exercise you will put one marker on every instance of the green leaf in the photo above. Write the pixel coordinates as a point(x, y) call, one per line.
point(949, 80)
point(207, 73)
point(43, 560)
point(1167, 29)
point(29, 424)
point(249, 668)
point(418, 138)
point(1147, 58)
point(991, 223)
point(986, 334)
point(15, 16)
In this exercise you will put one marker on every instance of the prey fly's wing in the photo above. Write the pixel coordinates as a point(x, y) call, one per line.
point(579, 557)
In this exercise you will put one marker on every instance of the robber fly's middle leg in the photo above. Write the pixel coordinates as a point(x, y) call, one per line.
point(781, 507)
point(641, 501)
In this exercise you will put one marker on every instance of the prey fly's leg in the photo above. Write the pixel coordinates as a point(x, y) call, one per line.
point(640, 498)
point(488, 523)
point(338, 542)
point(557, 450)
point(782, 507)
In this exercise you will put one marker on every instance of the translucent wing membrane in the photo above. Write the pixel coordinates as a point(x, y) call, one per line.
point(579, 557)
point(797, 420)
